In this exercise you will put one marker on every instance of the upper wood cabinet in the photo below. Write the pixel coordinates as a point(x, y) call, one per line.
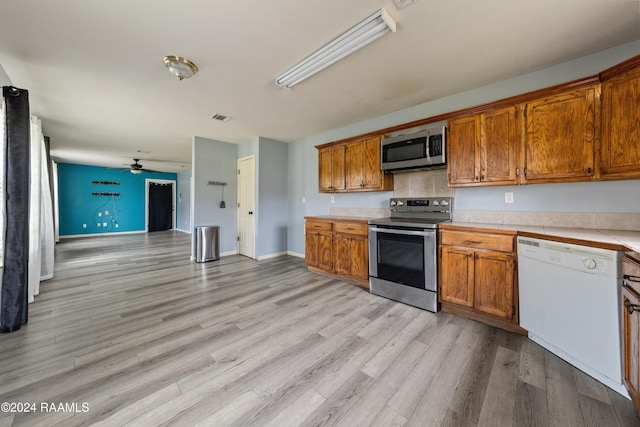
point(332, 167)
point(354, 166)
point(560, 134)
point(620, 139)
point(483, 148)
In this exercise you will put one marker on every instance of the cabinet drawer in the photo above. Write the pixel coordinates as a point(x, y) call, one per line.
point(631, 273)
point(319, 225)
point(351, 228)
point(495, 242)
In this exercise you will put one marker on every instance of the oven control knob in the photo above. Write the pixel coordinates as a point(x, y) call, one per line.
point(436, 203)
point(400, 203)
point(392, 203)
point(444, 203)
point(590, 263)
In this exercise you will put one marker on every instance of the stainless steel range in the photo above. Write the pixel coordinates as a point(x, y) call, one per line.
point(402, 251)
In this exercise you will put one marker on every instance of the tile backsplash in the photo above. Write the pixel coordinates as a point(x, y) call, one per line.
point(434, 184)
point(422, 184)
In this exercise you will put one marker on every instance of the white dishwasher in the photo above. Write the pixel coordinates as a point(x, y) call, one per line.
point(569, 304)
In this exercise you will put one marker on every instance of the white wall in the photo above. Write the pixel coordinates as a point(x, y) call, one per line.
point(184, 201)
point(215, 161)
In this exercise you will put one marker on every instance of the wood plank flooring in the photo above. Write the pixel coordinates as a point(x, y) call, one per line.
point(133, 333)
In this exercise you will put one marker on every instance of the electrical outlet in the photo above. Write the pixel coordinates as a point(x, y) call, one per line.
point(508, 197)
point(304, 200)
point(333, 199)
point(84, 225)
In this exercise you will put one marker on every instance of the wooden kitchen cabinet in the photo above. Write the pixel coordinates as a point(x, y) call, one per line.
point(338, 247)
point(620, 139)
point(363, 167)
point(352, 167)
point(477, 276)
point(631, 328)
point(319, 245)
point(332, 169)
point(560, 135)
point(483, 148)
point(351, 253)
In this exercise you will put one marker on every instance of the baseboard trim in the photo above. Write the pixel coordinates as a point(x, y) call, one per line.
point(112, 233)
point(296, 254)
point(269, 256)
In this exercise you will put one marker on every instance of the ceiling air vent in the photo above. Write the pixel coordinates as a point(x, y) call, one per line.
point(221, 117)
point(401, 4)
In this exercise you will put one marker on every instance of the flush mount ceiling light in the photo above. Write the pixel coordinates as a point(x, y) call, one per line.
point(180, 67)
point(357, 37)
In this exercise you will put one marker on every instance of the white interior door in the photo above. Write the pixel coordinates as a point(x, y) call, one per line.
point(246, 206)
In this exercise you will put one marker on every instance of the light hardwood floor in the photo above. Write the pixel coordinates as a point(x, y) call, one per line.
point(132, 329)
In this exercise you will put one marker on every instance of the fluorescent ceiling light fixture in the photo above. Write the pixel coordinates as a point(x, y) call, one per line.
point(357, 37)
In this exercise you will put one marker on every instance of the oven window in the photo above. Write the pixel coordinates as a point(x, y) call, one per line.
point(406, 150)
point(401, 259)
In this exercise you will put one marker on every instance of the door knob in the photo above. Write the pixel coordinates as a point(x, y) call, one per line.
point(250, 212)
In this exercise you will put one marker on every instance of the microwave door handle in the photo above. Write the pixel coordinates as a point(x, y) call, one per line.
point(397, 231)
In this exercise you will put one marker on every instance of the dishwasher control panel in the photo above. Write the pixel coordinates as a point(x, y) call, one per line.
point(582, 258)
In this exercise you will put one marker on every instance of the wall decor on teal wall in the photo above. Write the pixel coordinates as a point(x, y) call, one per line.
point(116, 208)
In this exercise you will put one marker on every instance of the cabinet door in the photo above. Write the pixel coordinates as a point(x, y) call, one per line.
point(360, 257)
point(371, 173)
point(464, 148)
point(331, 169)
point(325, 251)
point(559, 137)
point(342, 254)
point(355, 165)
point(620, 154)
point(311, 248)
point(631, 336)
point(494, 281)
point(499, 139)
point(456, 275)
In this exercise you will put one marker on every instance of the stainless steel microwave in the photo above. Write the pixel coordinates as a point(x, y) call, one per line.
point(417, 151)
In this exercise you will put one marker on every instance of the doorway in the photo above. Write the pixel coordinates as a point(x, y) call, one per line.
point(246, 206)
point(160, 202)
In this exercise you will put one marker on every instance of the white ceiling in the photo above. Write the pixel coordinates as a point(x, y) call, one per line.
point(95, 75)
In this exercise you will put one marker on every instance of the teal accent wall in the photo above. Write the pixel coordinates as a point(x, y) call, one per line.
point(77, 205)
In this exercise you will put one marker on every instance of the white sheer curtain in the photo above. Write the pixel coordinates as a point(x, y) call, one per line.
point(41, 239)
point(3, 141)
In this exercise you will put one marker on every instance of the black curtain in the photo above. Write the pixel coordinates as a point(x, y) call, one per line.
point(14, 298)
point(160, 206)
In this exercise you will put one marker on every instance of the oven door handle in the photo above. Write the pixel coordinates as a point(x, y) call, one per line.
point(399, 231)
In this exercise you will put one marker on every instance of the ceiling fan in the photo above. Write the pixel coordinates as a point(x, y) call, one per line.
point(136, 168)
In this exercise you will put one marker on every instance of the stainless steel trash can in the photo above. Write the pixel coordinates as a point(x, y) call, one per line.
point(207, 243)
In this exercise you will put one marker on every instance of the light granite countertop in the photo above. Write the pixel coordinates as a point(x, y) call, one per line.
point(625, 240)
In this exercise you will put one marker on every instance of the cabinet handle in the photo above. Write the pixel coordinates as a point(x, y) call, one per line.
point(630, 278)
point(631, 307)
point(517, 171)
point(473, 242)
point(481, 177)
point(589, 171)
point(525, 171)
point(475, 178)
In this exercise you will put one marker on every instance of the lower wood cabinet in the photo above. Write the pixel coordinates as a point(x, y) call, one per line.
point(631, 328)
point(338, 247)
point(477, 276)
